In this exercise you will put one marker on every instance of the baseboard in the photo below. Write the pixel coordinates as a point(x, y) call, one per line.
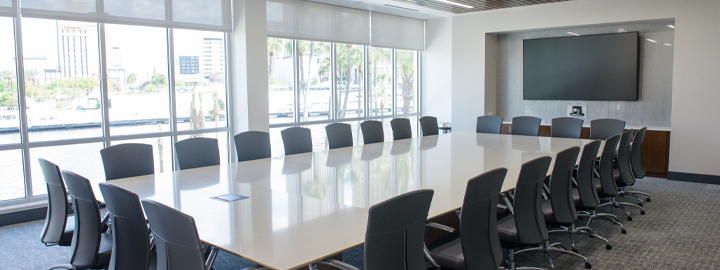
point(693, 177)
point(23, 216)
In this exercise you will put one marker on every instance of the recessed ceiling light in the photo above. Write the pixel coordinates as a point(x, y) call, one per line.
point(671, 26)
point(668, 44)
point(457, 4)
point(651, 40)
point(574, 34)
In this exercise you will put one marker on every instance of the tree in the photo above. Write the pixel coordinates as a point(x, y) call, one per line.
point(32, 77)
point(309, 48)
point(9, 99)
point(406, 73)
point(159, 80)
point(274, 46)
point(382, 95)
point(131, 79)
point(352, 57)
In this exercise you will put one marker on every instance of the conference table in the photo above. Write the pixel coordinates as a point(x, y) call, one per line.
point(306, 207)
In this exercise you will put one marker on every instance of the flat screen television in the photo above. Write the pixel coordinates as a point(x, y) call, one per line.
point(593, 67)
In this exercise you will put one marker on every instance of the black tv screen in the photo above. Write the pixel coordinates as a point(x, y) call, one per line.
point(594, 67)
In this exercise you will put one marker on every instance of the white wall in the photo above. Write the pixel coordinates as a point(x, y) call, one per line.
point(438, 69)
point(694, 147)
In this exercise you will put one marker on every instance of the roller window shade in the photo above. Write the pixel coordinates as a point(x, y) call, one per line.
point(317, 22)
point(8, 8)
point(397, 32)
point(212, 15)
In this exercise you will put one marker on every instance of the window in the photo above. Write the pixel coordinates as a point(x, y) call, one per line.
point(379, 63)
point(9, 114)
point(138, 96)
point(12, 183)
point(314, 83)
point(281, 83)
point(406, 70)
point(350, 60)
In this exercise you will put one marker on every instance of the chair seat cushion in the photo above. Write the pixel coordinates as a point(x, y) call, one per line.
point(618, 179)
point(450, 254)
point(508, 232)
point(548, 211)
point(105, 250)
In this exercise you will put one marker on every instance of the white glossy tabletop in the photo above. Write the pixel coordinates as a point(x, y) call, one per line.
point(306, 207)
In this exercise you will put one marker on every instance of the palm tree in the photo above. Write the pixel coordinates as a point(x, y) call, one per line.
point(131, 79)
point(310, 48)
point(406, 72)
point(33, 76)
point(352, 57)
point(274, 45)
point(382, 95)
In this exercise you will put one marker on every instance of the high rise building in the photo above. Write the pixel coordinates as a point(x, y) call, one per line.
point(189, 64)
point(213, 60)
point(75, 38)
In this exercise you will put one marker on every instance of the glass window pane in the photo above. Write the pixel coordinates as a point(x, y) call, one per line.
point(222, 138)
point(314, 88)
point(12, 183)
point(281, 74)
point(200, 79)
point(137, 79)
point(62, 79)
point(162, 152)
point(406, 81)
point(350, 80)
point(380, 69)
point(144, 9)
point(76, 6)
point(202, 12)
point(9, 121)
point(83, 159)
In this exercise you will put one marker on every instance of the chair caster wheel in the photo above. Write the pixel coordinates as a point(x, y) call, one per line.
point(640, 204)
point(575, 250)
point(648, 199)
point(642, 212)
point(588, 265)
point(608, 246)
point(623, 231)
point(629, 218)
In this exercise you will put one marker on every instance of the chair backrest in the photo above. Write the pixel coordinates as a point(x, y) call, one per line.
point(636, 153)
point(131, 237)
point(88, 224)
point(586, 173)
point(396, 230)
point(478, 226)
point(197, 152)
point(605, 168)
point(525, 125)
point(529, 218)
point(601, 129)
point(561, 186)
point(401, 128)
point(489, 124)
point(566, 127)
point(372, 132)
point(127, 160)
point(252, 145)
point(57, 212)
point(339, 135)
point(429, 125)
point(623, 158)
point(177, 242)
point(297, 140)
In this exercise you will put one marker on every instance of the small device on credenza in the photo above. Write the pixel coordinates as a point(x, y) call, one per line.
point(576, 110)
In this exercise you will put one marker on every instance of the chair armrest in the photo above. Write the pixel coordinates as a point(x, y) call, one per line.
point(440, 227)
point(338, 264)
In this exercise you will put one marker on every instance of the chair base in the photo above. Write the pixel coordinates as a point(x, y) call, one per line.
point(572, 230)
point(547, 248)
point(620, 205)
point(609, 217)
point(62, 266)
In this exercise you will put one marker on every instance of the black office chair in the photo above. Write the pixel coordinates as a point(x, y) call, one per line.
point(372, 132)
point(559, 210)
point(131, 236)
point(566, 127)
point(601, 129)
point(605, 182)
point(585, 195)
point(525, 125)
point(524, 229)
point(177, 242)
point(197, 152)
point(401, 128)
point(127, 160)
point(489, 124)
point(59, 227)
point(429, 125)
point(297, 140)
point(477, 246)
point(636, 163)
point(339, 135)
point(623, 173)
point(252, 145)
point(91, 244)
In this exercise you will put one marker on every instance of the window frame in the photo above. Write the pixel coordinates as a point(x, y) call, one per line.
point(367, 89)
point(31, 201)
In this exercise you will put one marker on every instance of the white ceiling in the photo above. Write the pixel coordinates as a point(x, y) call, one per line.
point(381, 6)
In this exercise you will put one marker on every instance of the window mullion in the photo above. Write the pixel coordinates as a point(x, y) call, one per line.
point(22, 109)
point(333, 82)
point(296, 82)
point(172, 97)
point(104, 94)
point(393, 61)
point(366, 81)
